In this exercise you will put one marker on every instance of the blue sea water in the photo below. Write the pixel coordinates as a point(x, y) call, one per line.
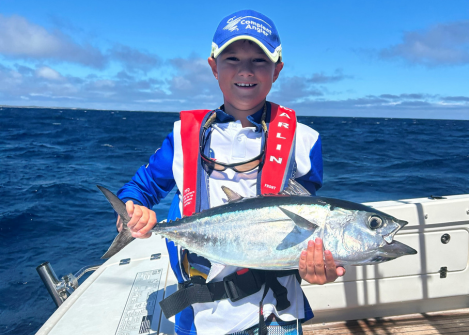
point(51, 161)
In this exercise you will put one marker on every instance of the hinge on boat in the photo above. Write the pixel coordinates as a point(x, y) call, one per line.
point(155, 256)
point(443, 271)
point(124, 261)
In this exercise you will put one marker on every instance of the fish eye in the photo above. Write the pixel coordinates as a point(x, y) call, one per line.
point(375, 222)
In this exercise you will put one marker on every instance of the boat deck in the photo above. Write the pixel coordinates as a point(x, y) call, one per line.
point(448, 322)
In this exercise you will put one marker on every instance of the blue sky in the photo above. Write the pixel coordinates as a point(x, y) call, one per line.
point(342, 58)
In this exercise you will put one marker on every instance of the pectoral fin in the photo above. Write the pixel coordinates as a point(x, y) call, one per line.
point(303, 230)
point(295, 237)
point(299, 221)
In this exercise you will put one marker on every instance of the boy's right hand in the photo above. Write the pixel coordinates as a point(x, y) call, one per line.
point(142, 220)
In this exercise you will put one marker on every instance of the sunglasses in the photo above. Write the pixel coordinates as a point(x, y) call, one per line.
point(245, 166)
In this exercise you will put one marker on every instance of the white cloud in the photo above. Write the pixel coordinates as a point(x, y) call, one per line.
point(297, 89)
point(192, 86)
point(134, 59)
point(386, 105)
point(193, 81)
point(104, 83)
point(322, 78)
point(48, 73)
point(22, 39)
point(443, 44)
point(293, 89)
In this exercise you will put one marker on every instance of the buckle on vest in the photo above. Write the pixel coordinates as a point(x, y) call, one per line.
point(192, 281)
point(239, 286)
point(230, 287)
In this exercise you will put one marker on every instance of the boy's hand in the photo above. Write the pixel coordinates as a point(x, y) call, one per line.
point(141, 221)
point(312, 267)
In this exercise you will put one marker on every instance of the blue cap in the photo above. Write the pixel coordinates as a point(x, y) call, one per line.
point(248, 25)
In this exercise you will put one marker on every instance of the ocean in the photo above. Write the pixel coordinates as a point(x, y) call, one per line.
point(51, 161)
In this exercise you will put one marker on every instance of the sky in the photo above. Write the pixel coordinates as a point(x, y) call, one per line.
point(342, 58)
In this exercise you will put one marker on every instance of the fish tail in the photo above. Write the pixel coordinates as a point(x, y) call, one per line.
point(125, 235)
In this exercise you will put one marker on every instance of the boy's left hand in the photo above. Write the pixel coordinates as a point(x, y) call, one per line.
point(314, 269)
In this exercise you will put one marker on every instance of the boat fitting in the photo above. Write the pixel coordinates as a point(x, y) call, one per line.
point(58, 289)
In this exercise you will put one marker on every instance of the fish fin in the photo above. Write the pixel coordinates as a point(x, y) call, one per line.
point(116, 203)
point(121, 240)
point(299, 221)
point(295, 188)
point(295, 237)
point(232, 195)
point(125, 236)
point(215, 270)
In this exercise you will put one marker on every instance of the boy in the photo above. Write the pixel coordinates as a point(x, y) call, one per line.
point(251, 146)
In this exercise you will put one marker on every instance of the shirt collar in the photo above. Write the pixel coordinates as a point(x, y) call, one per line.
point(255, 118)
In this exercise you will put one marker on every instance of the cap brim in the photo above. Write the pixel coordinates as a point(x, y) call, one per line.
point(274, 57)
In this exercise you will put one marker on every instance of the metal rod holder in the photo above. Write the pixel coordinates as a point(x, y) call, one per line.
point(58, 289)
point(50, 280)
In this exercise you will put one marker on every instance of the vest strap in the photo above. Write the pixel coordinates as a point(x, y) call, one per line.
point(280, 294)
point(234, 287)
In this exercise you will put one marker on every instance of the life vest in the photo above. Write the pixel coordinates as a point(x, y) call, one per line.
point(279, 159)
point(277, 168)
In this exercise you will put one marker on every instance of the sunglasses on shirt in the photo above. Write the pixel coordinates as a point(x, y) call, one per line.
point(239, 167)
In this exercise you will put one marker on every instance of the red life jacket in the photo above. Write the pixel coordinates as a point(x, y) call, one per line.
point(276, 170)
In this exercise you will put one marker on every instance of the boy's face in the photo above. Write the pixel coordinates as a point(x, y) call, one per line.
point(245, 74)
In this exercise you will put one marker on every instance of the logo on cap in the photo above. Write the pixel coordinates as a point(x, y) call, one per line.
point(232, 24)
point(248, 22)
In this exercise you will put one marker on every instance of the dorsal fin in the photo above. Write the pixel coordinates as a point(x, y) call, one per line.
point(295, 188)
point(232, 195)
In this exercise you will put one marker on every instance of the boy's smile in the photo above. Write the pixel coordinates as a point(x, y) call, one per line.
point(245, 75)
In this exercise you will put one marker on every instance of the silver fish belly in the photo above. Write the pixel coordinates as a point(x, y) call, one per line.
point(247, 238)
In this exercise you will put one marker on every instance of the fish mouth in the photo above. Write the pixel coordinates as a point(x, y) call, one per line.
point(401, 223)
point(393, 249)
point(390, 237)
point(396, 249)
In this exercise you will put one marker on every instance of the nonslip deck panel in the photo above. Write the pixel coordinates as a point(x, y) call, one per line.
point(122, 299)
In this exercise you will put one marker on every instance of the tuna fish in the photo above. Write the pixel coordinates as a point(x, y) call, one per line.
point(269, 232)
